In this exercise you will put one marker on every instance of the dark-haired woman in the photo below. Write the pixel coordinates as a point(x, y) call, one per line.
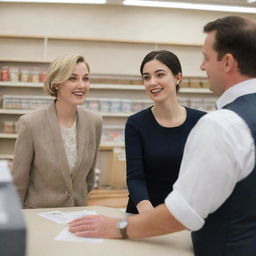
point(155, 137)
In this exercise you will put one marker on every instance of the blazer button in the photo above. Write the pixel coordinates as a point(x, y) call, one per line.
point(67, 193)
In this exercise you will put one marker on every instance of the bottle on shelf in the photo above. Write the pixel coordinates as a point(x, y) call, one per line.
point(35, 74)
point(14, 73)
point(4, 73)
point(24, 75)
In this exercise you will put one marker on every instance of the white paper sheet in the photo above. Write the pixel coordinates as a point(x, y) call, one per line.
point(65, 217)
point(65, 235)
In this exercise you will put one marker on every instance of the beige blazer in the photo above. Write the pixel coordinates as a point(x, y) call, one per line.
point(40, 166)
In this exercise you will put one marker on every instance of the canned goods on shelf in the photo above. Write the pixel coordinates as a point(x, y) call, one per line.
point(24, 76)
point(14, 74)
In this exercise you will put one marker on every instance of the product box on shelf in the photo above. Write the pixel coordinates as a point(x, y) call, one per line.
point(126, 105)
point(105, 105)
point(195, 83)
point(112, 134)
point(185, 83)
point(202, 103)
point(209, 104)
point(26, 101)
point(197, 103)
point(9, 126)
point(138, 105)
point(116, 106)
point(16, 73)
point(92, 104)
point(184, 101)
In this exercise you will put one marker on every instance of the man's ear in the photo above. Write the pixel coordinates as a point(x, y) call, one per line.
point(230, 62)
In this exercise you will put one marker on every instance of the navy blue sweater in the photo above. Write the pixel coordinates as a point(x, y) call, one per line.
point(153, 155)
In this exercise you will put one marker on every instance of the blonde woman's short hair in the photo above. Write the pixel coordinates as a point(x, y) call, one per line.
point(60, 70)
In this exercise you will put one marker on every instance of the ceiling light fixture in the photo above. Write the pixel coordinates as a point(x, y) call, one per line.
point(58, 1)
point(191, 6)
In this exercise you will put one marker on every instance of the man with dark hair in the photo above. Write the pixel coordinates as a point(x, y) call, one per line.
point(215, 193)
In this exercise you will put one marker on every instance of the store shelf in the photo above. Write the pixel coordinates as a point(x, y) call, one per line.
point(8, 135)
point(27, 61)
point(26, 111)
point(194, 90)
point(116, 87)
point(6, 156)
point(14, 111)
point(21, 84)
point(103, 40)
point(107, 146)
point(115, 114)
point(103, 147)
point(101, 87)
point(92, 86)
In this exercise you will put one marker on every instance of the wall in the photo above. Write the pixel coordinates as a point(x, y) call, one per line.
point(156, 28)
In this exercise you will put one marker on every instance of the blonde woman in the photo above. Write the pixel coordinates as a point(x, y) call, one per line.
point(56, 149)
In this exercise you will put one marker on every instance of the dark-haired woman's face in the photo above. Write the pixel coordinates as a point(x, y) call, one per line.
point(159, 81)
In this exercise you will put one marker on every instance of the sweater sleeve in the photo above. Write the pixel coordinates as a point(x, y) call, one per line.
point(134, 159)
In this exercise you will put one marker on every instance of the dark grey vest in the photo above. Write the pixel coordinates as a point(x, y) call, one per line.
point(231, 229)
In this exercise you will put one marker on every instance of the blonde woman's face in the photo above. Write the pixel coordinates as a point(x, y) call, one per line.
point(75, 89)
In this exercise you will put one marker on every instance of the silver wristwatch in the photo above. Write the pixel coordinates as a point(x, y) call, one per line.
point(122, 226)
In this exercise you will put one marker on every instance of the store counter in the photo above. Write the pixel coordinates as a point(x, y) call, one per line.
point(41, 233)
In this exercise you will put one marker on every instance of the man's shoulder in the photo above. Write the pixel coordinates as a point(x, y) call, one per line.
point(222, 117)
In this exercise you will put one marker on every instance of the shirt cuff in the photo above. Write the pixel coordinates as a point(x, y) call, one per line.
point(180, 209)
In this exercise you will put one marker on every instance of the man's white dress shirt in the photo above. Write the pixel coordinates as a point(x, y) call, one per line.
point(219, 152)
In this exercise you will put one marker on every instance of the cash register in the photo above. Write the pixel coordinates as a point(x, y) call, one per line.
point(12, 225)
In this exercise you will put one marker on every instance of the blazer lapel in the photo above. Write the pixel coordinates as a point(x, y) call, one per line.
point(83, 128)
point(61, 156)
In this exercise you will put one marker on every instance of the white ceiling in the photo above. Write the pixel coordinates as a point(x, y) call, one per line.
point(224, 2)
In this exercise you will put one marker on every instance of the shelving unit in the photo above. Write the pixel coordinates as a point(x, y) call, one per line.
point(7, 140)
point(45, 41)
point(108, 81)
point(101, 87)
point(97, 90)
point(26, 111)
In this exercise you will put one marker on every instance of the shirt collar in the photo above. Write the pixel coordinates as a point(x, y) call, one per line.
point(240, 89)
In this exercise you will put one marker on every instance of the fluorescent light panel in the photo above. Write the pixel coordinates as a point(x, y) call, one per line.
point(58, 1)
point(191, 6)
